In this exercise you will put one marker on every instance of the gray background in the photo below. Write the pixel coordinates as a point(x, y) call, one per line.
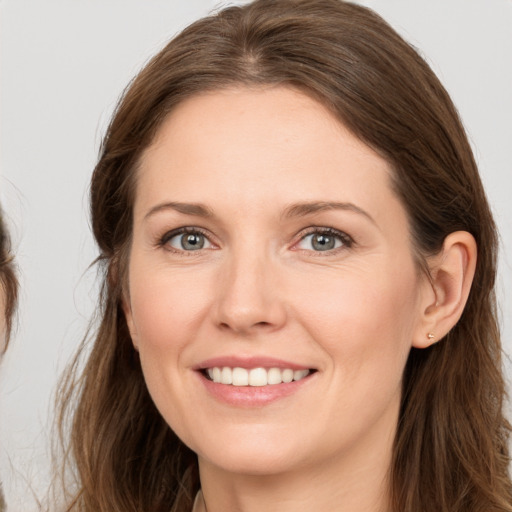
point(63, 65)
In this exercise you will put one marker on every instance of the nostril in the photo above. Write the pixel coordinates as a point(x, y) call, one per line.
point(262, 324)
point(239, 328)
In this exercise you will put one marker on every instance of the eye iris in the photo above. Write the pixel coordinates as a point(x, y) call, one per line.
point(322, 242)
point(192, 241)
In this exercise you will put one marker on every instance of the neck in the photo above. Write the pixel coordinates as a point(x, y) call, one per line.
point(332, 486)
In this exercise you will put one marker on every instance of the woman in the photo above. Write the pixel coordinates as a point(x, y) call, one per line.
point(293, 311)
point(8, 297)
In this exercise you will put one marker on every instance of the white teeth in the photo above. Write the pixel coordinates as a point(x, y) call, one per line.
point(226, 376)
point(287, 375)
point(274, 376)
point(255, 376)
point(299, 374)
point(258, 377)
point(240, 377)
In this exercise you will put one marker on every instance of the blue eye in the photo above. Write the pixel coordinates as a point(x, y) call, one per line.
point(321, 241)
point(187, 241)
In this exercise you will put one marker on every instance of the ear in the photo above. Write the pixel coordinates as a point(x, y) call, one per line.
point(127, 310)
point(451, 274)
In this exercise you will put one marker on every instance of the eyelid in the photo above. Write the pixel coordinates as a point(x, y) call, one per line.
point(347, 240)
point(163, 241)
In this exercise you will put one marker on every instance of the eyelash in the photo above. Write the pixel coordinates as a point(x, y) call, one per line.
point(163, 241)
point(346, 240)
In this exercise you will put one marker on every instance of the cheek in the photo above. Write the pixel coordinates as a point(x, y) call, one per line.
point(166, 307)
point(364, 319)
point(364, 325)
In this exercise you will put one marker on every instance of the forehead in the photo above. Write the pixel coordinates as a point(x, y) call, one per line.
point(279, 109)
point(253, 130)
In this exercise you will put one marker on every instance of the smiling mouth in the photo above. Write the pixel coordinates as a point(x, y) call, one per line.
point(256, 377)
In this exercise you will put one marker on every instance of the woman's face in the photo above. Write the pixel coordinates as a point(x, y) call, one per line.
point(268, 238)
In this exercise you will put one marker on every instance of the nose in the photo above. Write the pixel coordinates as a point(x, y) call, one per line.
point(249, 296)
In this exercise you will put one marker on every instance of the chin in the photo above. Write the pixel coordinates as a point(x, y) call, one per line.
point(263, 454)
point(252, 462)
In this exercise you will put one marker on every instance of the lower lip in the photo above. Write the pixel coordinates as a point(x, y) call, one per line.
point(253, 396)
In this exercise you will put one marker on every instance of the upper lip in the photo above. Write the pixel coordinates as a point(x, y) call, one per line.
point(249, 362)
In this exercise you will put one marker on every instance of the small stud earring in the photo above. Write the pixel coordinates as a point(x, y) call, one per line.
point(430, 336)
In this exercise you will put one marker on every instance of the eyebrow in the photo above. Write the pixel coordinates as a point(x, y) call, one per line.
point(196, 209)
point(294, 210)
point(303, 209)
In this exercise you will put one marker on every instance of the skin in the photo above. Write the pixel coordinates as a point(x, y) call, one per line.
point(260, 288)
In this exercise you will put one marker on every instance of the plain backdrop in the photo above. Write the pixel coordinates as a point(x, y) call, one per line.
point(63, 65)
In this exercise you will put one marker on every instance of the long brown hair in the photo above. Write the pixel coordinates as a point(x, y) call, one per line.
point(9, 292)
point(450, 452)
point(8, 280)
